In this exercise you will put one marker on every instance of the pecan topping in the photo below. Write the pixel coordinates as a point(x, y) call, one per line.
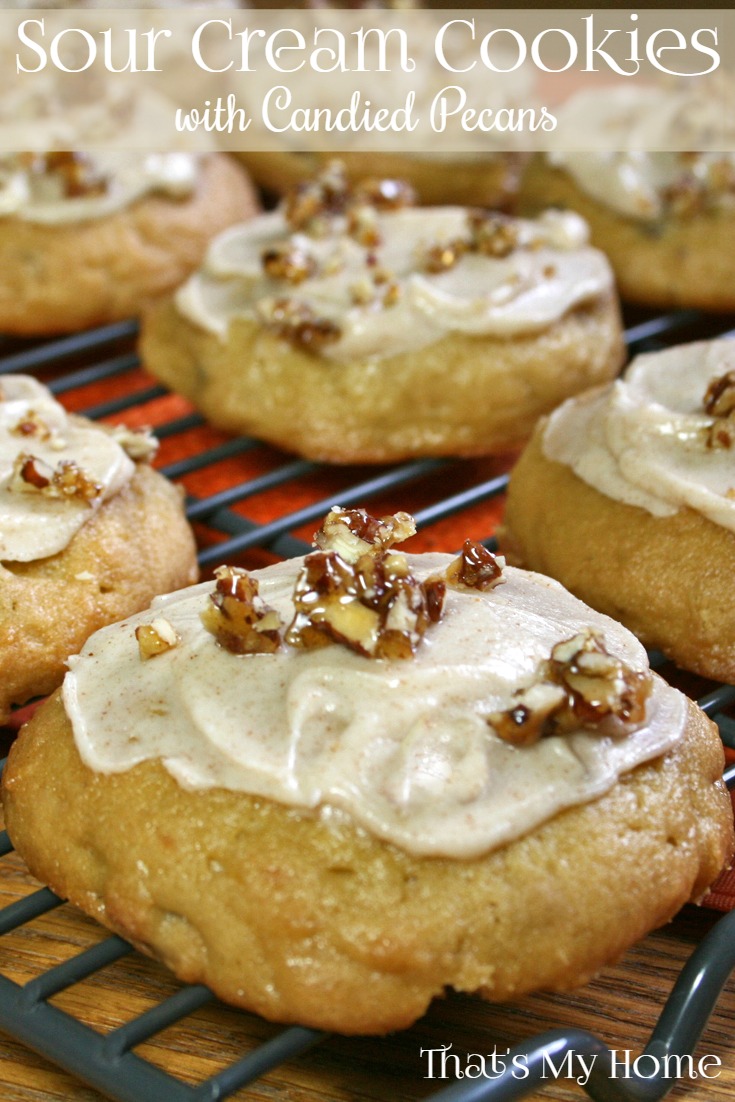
point(362, 225)
point(311, 203)
point(140, 445)
point(385, 194)
point(373, 606)
point(442, 257)
point(475, 567)
point(155, 638)
point(492, 234)
point(719, 401)
point(32, 425)
point(288, 262)
point(353, 533)
point(238, 618)
point(581, 687)
point(76, 172)
point(68, 480)
point(297, 323)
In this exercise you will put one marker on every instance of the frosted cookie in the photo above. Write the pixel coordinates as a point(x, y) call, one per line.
point(352, 327)
point(89, 533)
point(627, 496)
point(664, 219)
point(88, 239)
point(335, 787)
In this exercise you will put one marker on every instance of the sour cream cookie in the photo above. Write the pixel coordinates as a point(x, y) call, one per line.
point(89, 533)
point(663, 218)
point(89, 239)
point(351, 327)
point(627, 496)
point(362, 777)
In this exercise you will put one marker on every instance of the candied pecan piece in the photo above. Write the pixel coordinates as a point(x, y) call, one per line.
point(581, 687)
point(443, 256)
point(353, 533)
point(297, 323)
point(385, 194)
point(308, 205)
point(719, 398)
point(76, 171)
point(31, 424)
point(492, 234)
point(362, 225)
point(68, 480)
point(719, 402)
point(140, 444)
point(155, 638)
point(374, 606)
point(475, 567)
point(238, 617)
point(598, 684)
point(288, 262)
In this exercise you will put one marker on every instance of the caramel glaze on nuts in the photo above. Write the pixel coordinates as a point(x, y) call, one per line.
point(719, 402)
point(68, 480)
point(238, 618)
point(581, 687)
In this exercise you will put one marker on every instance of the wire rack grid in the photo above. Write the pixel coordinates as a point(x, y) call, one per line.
point(251, 504)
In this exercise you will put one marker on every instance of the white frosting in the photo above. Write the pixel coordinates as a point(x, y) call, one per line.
point(39, 197)
point(402, 747)
point(643, 440)
point(33, 525)
point(552, 272)
point(622, 131)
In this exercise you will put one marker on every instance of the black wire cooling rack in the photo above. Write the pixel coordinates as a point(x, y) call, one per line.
point(108, 1062)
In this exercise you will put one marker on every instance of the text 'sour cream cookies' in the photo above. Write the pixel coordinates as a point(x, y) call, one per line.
point(332, 788)
point(663, 218)
point(352, 327)
point(643, 520)
point(91, 238)
point(88, 533)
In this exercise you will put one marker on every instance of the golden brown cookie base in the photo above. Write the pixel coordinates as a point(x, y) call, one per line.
point(665, 578)
point(678, 262)
point(488, 182)
point(137, 545)
point(460, 396)
point(305, 920)
point(56, 279)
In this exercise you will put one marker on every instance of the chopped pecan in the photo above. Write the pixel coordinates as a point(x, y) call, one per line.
point(385, 194)
point(581, 687)
point(76, 171)
point(297, 323)
point(237, 617)
point(719, 398)
point(719, 402)
point(310, 203)
point(441, 257)
point(68, 480)
point(288, 262)
point(475, 567)
point(353, 533)
point(362, 225)
point(140, 445)
point(492, 234)
point(374, 606)
point(155, 638)
point(31, 424)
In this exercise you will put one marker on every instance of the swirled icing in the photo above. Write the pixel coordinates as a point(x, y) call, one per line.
point(644, 439)
point(402, 747)
point(34, 525)
point(551, 272)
